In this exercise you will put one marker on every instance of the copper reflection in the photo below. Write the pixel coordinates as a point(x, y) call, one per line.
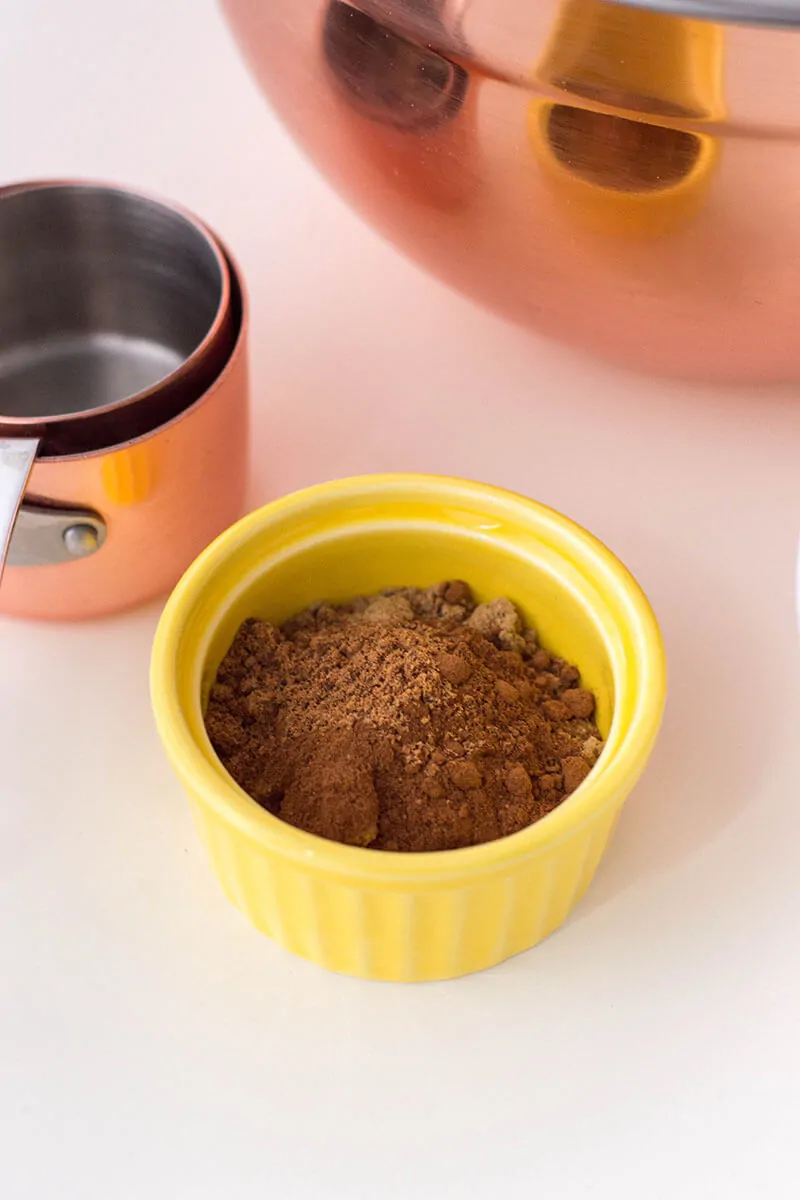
point(707, 285)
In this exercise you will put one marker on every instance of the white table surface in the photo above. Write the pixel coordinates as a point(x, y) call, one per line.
point(151, 1044)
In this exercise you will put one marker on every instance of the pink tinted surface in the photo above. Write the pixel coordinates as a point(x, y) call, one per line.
point(650, 1048)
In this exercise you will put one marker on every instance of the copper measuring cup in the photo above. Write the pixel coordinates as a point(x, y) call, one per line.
point(120, 319)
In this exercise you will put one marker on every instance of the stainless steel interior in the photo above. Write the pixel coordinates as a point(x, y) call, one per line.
point(748, 12)
point(102, 295)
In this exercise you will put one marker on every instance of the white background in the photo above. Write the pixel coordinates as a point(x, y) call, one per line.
point(151, 1045)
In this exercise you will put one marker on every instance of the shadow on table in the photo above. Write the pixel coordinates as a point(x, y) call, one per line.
point(719, 724)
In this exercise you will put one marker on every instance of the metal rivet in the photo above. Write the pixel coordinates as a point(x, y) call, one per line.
point(81, 540)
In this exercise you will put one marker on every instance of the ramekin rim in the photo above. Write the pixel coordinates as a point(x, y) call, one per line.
point(220, 792)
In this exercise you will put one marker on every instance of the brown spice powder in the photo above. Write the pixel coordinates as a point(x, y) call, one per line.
point(415, 720)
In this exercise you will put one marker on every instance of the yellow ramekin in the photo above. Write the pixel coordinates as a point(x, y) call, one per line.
point(409, 916)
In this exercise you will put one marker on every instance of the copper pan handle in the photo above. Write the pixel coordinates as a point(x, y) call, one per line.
point(17, 456)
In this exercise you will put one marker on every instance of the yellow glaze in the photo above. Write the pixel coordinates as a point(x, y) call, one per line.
point(409, 916)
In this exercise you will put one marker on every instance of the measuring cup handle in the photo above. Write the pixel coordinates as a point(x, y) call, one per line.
point(17, 456)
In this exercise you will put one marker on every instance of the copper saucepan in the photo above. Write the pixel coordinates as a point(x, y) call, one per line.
point(123, 396)
point(622, 176)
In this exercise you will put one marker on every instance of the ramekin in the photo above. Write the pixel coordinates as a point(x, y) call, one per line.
point(393, 916)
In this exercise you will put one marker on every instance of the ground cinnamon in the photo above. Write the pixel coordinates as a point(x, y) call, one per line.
point(415, 720)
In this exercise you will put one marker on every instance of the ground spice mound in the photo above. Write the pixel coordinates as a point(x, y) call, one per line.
point(415, 720)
